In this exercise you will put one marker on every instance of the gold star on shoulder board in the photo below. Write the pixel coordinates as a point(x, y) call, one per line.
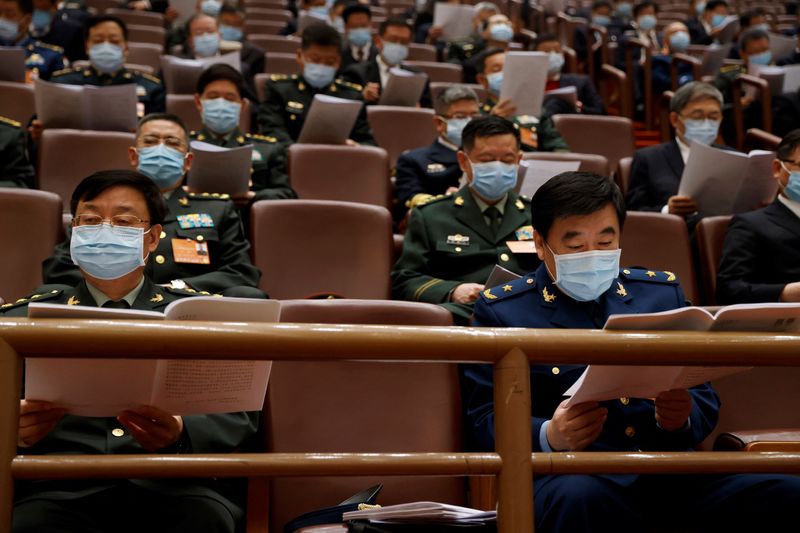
point(650, 274)
point(489, 295)
point(621, 291)
point(201, 137)
point(73, 301)
point(670, 275)
point(240, 139)
point(157, 298)
point(301, 86)
point(549, 298)
point(459, 201)
point(507, 288)
point(184, 201)
point(519, 205)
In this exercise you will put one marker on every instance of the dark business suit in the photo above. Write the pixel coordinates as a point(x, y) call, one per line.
point(348, 58)
point(655, 176)
point(760, 256)
point(370, 72)
point(697, 32)
point(587, 94)
point(429, 170)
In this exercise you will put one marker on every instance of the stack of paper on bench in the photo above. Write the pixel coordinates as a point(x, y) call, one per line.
point(104, 387)
point(423, 512)
point(218, 169)
point(86, 107)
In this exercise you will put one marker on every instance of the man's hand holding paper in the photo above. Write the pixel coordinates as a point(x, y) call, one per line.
point(153, 428)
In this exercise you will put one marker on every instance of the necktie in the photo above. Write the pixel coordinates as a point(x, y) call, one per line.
point(360, 55)
point(121, 304)
point(493, 214)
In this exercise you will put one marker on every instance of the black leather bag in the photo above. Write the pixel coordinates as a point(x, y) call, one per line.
point(332, 515)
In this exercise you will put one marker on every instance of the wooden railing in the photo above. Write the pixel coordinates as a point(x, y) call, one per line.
point(510, 350)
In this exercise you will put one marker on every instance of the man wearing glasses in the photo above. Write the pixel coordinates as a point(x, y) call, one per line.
point(116, 229)
point(202, 245)
point(761, 256)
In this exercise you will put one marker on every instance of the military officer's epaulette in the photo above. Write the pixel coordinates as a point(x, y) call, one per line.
point(49, 46)
point(262, 138)
point(512, 288)
point(354, 86)
point(64, 71)
point(282, 77)
point(657, 276)
point(11, 122)
point(145, 75)
point(38, 297)
point(727, 69)
point(208, 196)
point(188, 292)
point(439, 198)
point(486, 108)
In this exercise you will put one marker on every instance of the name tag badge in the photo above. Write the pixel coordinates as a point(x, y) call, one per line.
point(522, 247)
point(191, 252)
point(458, 240)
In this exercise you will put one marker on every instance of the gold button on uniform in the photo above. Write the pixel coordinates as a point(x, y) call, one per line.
point(630, 431)
point(200, 238)
point(458, 248)
point(118, 432)
point(555, 370)
point(624, 400)
point(163, 235)
point(160, 259)
point(504, 257)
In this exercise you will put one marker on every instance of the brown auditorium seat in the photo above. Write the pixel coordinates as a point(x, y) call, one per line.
point(269, 27)
point(308, 248)
point(660, 242)
point(361, 412)
point(345, 173)
point(100, 6)
point(136, 17)
point(138, 33)
point(438, 86)
point(147, 69)
point(623, 173)
point(275, 43)
point(266, 13)
point(145, 54)
point(31, 226)
point(397, 129)
point(271, 4)
point(438, 71)
point(99, 150)
point(282, 63)
point(710, 234)
point(421, 52)
point(183, 106)
point(596, 134)
point(17, 101)
point(589, 162)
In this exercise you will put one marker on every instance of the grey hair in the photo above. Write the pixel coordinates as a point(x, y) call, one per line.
point(486, 6)
point(452, 94)
point(693, 91)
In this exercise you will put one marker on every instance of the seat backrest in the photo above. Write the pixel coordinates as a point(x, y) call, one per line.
point(428, 419)
point(266, 13)
point(99, 150)
point(397, 129)
point(710, 233)
point(269, 27)
point(421, 52)
point(311, 247)
point(660, 242)
point(138, 33)
point(142, 18)
point(30, 223)
point(623, 174)
point(588, 162)
point(344, 173)
point(17, 101)
point(584, 132)
point(437, 71)
point(282, 63)
point(275, 43)
point(100, 6)
point(145, 54)
point(438, 86)
point(183, 106)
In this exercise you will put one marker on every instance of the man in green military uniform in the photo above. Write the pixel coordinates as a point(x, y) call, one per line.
point(116, 227)
point(538, 134)
point(287, 99)
point(107, 47)
point(453, 243)
point(15, 168)
point(219, 101)
point(202, 248)
point(41, 59)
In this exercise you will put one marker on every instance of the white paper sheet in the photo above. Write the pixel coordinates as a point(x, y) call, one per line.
point(569, 93)
point(775, 76)
point(454, 19)
point(713, 58)
point(728, 30)
point(86, 107)
point(185, 9)
point(217, 169)
point(330, 120)
point(180, 75)
point(12, 64)
point(538, 172)
point(403, 88)
point(791, 79)
point(524, 80)
point(782, 46)
point(419, 512)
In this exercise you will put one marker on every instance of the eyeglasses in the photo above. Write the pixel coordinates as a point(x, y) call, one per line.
point(793, 163)
point(117, 221)
point(699, 115)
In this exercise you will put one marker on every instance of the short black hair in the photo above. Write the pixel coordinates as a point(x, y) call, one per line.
point(230, 8)
point(99, 19)
point(488, 126)
point(601, 3)
point(320, 35)
point(574, 194)
point(486, 54)
point(643, 5)
point(751, 35)
point(220, 71)
point(713, 4)
point(788, 145)
point(354, 9)
point(25, 6)
point(93, 186)
point(544, 38)
point(394, 21)
point(747, 17)
point(169, 117)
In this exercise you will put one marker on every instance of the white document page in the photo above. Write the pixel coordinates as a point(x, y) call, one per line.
point(569, 93)
point(782, 46)
point(791, 79)
point(403, 88)
point(454, 19)
point(729, 29)
point(185, 9)
point(218, 169)
point(330, 120)
point(763, 317)
point(758, 186)
point(12, 64)
point(682, 319)
point(86, 107)
point(524, 80)
point(775, 76)
point(59, 105)
point(431, 511)
point(539, 171)
point(713, 58)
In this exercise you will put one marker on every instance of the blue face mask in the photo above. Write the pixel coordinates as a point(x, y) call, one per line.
point(320, 12)
point(106, 57)
point(701, 131)
point(206, 45)
point(220, 115)
point(717, 20)
point(359, 36)
point(792, 188)
point(624, 9)
point(231, 33)
point(585, 276)
point(699, 8)
point(763, 26)
point(161, 164)
point(394, 53)
point(555, 62)
point(8, 29)
point(106, 252)
point(211, 7)
point(764, 58)
point(647, 22)
point(41, 20)
point(601, 20)
point(493, 179)
point(454, 128)
point(495, 81)
point(679, 41)
point(318, 75)
point(501, 32)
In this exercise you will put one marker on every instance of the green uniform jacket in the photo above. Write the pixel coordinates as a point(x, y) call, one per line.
point(149, 89)
point(537, 134)
point(15, 168)
point(287, 100)
point(725, 78)
point(448, 242)
point(230, 271)
point(217, 433)
point(269, 178)
point(464, 49)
